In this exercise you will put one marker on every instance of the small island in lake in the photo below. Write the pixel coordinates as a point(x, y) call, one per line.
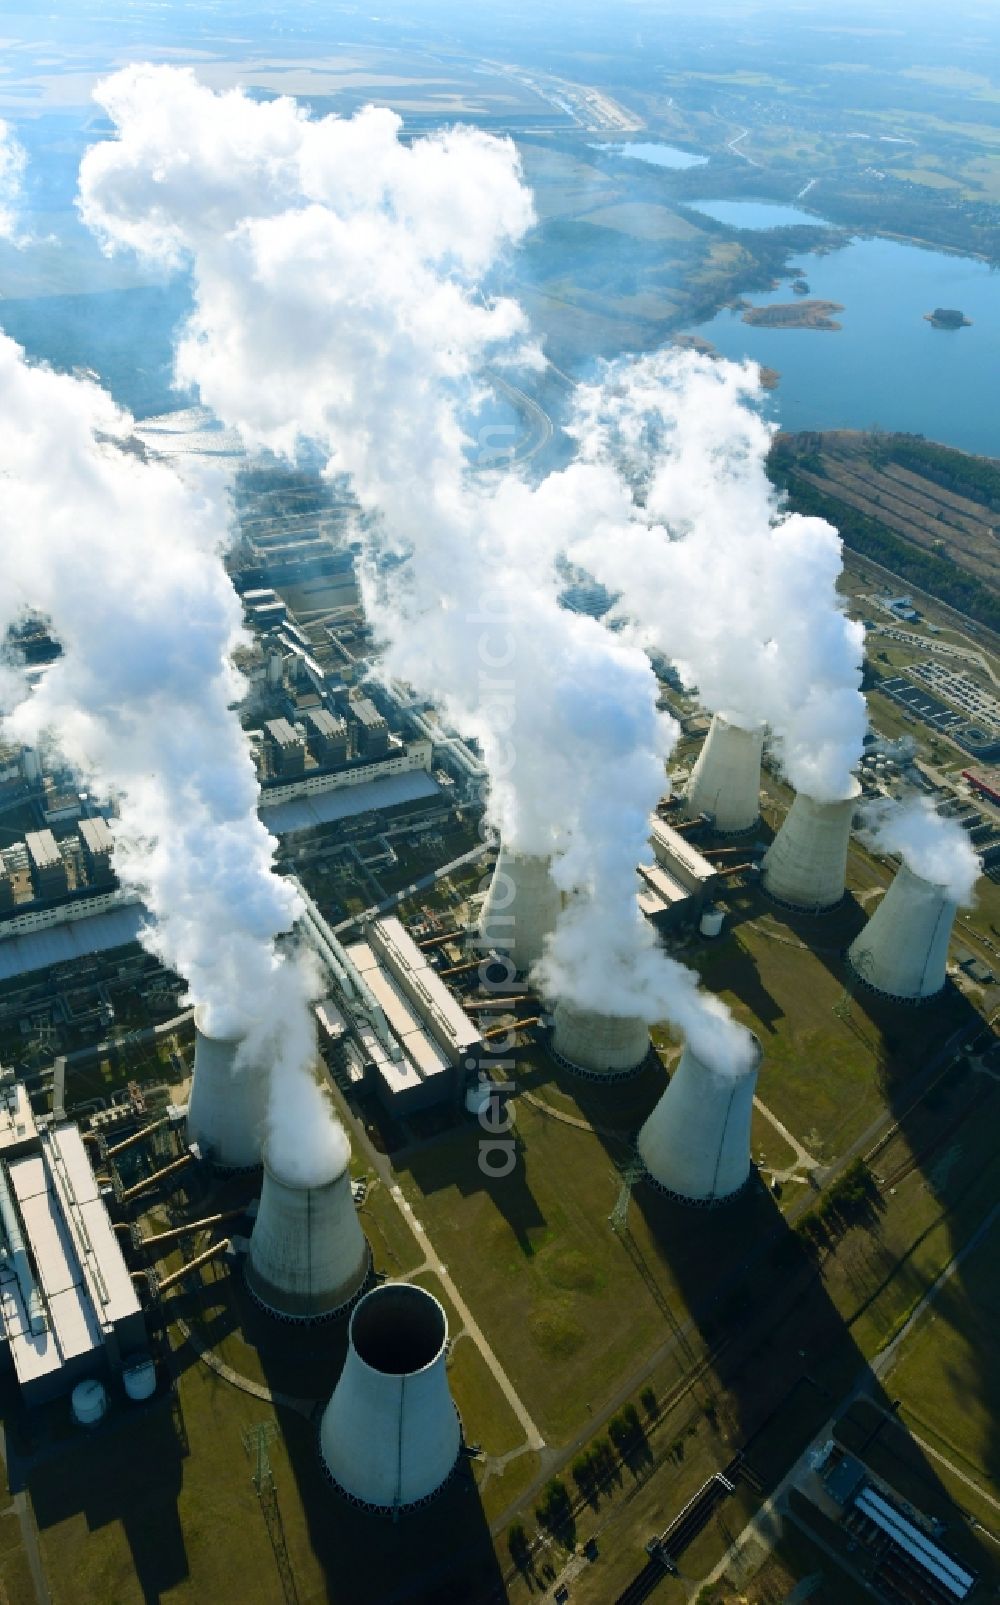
point(769, 377)
point(795, 315)
point(948, 318)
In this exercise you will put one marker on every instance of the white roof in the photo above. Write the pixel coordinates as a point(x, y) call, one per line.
point(680, 854)
point(322, 808)
point(916, 1543)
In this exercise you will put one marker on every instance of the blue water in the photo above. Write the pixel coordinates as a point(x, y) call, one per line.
point(656, 155)
point(756, 214)
point(886, 365)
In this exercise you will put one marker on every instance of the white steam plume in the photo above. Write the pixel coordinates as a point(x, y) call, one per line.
point(125, 560)
point(12, 161)
point(741, 596)
point(936, 848)
point(338, 298)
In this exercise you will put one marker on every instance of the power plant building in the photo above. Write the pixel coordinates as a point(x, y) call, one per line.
point(46, 865)
point(371, 732)
point(678, 883)
point(97, 844)
point(903, 950)
point(725, 781)
point(286, 749)
point(390, 1436)
point(68, 1307)
point(696, 1143)
point(326, 737)
point(436, 1037)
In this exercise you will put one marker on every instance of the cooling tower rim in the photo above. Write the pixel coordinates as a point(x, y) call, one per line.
point(421, 1295)
point(214, 1036)
point(850, 796)
point(320, 1317)
point(291, 1186)
point(750, 726)
point(913, 999)
point(735, 1076)
point(705, 1200)
point(587, 1074)
point(940, 888)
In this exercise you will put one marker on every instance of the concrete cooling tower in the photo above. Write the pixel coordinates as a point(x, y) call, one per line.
point(696, 1143)
point(725, 781)
point(227, 1104)
point(903, 950)
point(599, 1045)
point(521, 908)
point(806, 864)
point(390, 1435)
point(308, 1255)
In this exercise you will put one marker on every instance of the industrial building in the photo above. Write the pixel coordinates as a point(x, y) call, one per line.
point(46, 865)
point(97, 844)
point(903, 950)
point(679, 882)
point(725, 781)
point(390, 1436)
point(432, 1041)
point(696, 1143)
point(286, 749)
point(326, 737)
point(371, 732)
point(68, 1307)
point(895, 1544)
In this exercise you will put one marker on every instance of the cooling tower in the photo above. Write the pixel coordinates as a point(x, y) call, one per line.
point(521, 908)
point(226, 1105)
point(806, 864)
point(598, 1044)
point(308, 1255)
point(390, 1435)
point(725, 781)
point(696, 1143)
point(903, 950)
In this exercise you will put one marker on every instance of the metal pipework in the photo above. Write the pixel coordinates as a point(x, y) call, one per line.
point(137, 1136)
point(439, 941)
point(157, 1239)
point(461, 969)
point(192, 1265)
point(518, 1025)
point(129, 1193)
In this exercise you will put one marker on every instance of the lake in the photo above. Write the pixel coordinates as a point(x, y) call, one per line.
point(886, 365)
point(757, 214)
point(655, 155)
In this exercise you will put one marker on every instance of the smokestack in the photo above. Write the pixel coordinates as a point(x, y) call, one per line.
point(903, 950)
point(227, 1106)
point(806, 864)
point(521, 908)
point(308, 1255)
point(725, 781)
point(696, 1143)
point(390, 1435)
point(599, 1045)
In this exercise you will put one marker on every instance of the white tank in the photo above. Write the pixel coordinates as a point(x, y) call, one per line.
point(139, 1377)
point(521, 908)
point(696, 1143)
point(308, 1255)
point(725, 781)
point(390, 1435)
point(478, 1096)
point(227, 1106)
point(712, 921)
point(806, 864)
point(903, 950)
point(88, 1402)
point(598, 1044)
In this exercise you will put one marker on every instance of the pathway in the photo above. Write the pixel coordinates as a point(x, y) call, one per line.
point(286, 1401)
point(803, 1159)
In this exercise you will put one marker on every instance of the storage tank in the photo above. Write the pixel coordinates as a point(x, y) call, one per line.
point(521, 908)
point(227, 1105)
point(308, 1255)
point(712, 920)
point(88, 1402)
point(903, 949)
point(139, 1377)
point(696, 1143)
point(390, 1435)
point(725, 781)
point(806, 864)
point(599, 1045)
